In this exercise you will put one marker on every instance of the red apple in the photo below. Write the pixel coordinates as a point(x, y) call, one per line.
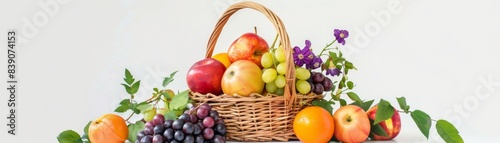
point(351, 124)
point(205, 76)
point(391, 126)
point(242, 78)
point(249, 46)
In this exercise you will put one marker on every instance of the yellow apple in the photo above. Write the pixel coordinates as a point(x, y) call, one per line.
point(242, 78)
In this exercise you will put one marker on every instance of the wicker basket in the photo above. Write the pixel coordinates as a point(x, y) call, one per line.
point(258, 117)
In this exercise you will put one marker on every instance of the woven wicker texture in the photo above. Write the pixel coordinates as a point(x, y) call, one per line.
point(258, 117)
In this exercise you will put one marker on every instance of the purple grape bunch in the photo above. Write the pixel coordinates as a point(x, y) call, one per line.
point(203, 126)
point(320, 83)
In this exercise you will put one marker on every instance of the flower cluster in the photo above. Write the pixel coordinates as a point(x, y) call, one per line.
point(306, 56)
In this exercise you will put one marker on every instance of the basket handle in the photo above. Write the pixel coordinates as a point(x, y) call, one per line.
point(289, 89)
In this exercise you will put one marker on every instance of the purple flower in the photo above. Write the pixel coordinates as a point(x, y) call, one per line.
point(315, 63)
point(301, 56)
point(333, 72)
point(340, 35)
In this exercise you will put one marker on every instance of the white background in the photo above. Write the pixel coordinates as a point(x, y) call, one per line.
point(441, 55)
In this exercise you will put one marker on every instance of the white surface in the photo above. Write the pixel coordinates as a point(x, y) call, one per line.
point(435, 53)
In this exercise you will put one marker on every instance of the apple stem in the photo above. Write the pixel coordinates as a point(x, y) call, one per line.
point(255, 30)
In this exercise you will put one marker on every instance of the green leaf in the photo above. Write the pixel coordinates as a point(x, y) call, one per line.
point(350, 84)
point(125, 102)
point(342, 102)
point(377, 129)
point(86, 129)
point(354, 97)
point(129, 79)
point(402, 104)
point(384, 111)
point(155, 90)
point(133, 129)
point(127, 88)
point(349, 65)
point(122, 108)
point(448, 132)
point(423, 121)
point(334, 97)
point(180, 100)
point(323, 104)
point(170, 115)
point(168, 80)
point(68, 136)
point(145, 107)
point(135, 87)
point(367, 104)
point(134, 106)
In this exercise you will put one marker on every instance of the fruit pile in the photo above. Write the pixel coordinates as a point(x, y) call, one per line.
point(204, 126)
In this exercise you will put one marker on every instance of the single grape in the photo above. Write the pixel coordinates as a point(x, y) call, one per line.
point(280, 54)
point(158, 129)
point(269, 75)
point(220, 129)
point(303, 86)
point(282, 68)
point(175, 141)
point(185, 117)
point(208, 122)
point(280, 81)
point(208, 133)
point(177, 125)
point(200, 123)
point(189, 139)
point(310, 79)
point(271, 87)
point(327, 84)
point(169, 134)
point(148, 131)
point(179, 135)
point(193, 118)
point(168, 123)
point(302, 73)
point(150, 125)
point(267, 60)
point(149, 115)
point(318, 88)
point(202, 112)
point(280, 91)
point(199, 139)
point(188, 128)
point(218, 139)
point(158, 119)
point(214, 114)
point(147, 139)
point(220, 121)
point(140, 135)
point(318, 77)
point(196, 129)
point(205, 105)
point(158, 139)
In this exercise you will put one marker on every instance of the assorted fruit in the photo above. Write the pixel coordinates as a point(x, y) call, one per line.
point(204, 125)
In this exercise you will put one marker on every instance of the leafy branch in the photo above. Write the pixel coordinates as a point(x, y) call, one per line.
point(174, 105)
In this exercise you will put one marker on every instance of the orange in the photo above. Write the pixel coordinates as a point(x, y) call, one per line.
point(223, 58)
point(109, 128)
point(313, 125)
